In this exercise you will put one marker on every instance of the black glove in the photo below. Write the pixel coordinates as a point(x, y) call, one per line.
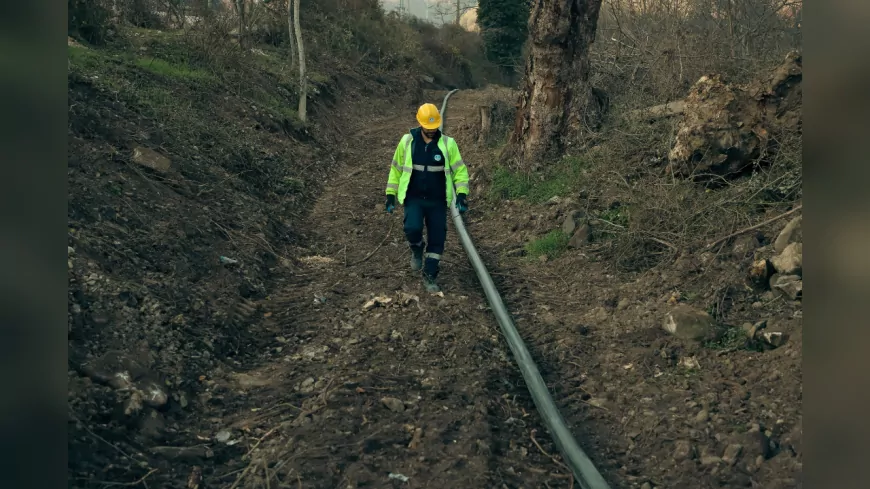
point(391, 203)
point(461, 204)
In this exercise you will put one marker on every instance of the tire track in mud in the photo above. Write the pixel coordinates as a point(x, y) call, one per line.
point(421, 387)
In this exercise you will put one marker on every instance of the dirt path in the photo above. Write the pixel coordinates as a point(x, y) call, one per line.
point(422, 387)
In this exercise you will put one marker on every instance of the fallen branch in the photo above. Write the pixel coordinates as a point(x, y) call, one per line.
point(100, 438)
point(377, 248)
point(260, 440)
point(756, 226)
point(138, 481)
point(554, 459)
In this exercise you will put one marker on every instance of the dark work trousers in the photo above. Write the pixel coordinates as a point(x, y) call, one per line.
point(434, 214)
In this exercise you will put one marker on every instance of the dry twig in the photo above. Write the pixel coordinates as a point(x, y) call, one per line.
point(100, 438)
point(138, 481)
point(756, 226)
point(377, 248)
point(554, 459)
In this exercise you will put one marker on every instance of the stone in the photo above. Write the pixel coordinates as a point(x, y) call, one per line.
point(774, 339)
point(416, 439)
point(702, 417)
point(307, 385)
point(790, 261)
point(744, 245)
point(623, 304)
point(580, 236)
point(760, 272)
point(710, 460)
point(732, 453)
point(688, 323)
point(791, 233)
point(600, 314)
point(572, 222)
point(683, 450)
point(393, 404)
point(151, 159)
point(153, 394)
point(754, 444)
point(646, 485)
point(687, 263)
point(752, 329)
point(789, 286)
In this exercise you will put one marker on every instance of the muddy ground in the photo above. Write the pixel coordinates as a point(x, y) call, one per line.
point(318, 360)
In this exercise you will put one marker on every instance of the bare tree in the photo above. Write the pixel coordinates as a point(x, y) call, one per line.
point(303, 85)
point(292, 35)
point(453, 8)
point(557, 103)
point(240, 11)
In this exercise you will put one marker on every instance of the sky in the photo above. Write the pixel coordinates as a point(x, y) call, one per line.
point(418, 8)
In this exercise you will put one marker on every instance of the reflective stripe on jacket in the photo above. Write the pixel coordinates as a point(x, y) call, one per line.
point(402, 167)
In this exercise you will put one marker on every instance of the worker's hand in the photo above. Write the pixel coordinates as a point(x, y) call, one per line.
point(391, 203)
point(461, 204)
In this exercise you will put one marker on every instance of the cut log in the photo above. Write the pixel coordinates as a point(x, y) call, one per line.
point(485, 123)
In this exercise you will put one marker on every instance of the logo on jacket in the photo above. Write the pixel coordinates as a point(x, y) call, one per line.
point(431, 119)
point(437, 157)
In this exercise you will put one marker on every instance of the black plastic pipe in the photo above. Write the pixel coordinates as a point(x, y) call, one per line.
point(584, 471)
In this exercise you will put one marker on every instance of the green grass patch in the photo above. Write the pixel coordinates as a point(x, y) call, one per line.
point(732, 339)
point(552, 245)
point(174, 70)
point(99, 65)
point(560, 179)
point(156, 98)
point(85, 58)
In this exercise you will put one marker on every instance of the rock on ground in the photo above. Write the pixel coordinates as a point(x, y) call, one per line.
point(790, 261)
point(792, 232)
point(688, 323)
point(790, 286)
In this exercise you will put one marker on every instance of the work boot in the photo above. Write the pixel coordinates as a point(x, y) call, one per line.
point(416, 258)
point(431, 286)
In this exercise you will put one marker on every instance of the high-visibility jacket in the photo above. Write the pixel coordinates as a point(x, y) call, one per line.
point(400, 172)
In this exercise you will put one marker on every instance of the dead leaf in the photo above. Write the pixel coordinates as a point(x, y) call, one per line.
point(377, 301)
point(690, 362)
point(416, 439)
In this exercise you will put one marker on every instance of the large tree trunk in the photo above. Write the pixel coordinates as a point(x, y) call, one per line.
point(558, 105)
point(303, 84)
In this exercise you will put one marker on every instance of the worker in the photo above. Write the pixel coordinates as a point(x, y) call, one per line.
point(426, 168)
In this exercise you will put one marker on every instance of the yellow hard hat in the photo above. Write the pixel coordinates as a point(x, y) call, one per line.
point(428, 116)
